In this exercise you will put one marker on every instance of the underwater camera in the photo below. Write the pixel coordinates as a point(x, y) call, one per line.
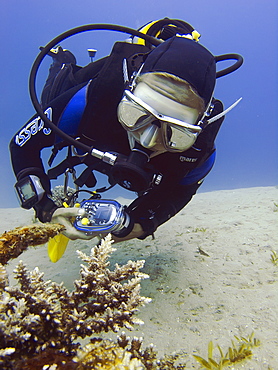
point(103, 216)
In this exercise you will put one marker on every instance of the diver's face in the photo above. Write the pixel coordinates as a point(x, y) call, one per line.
point(157, 122)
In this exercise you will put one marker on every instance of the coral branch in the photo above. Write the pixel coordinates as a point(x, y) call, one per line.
point(14, 242)
point(4, 280)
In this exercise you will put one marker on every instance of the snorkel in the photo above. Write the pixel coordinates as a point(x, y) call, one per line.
point(133, 172)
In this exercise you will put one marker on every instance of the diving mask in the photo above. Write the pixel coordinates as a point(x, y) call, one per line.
point(149, 124)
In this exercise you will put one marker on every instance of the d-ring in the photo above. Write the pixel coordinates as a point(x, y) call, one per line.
point(75, 151)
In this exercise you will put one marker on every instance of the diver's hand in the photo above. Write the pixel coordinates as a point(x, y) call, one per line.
point(65, 216)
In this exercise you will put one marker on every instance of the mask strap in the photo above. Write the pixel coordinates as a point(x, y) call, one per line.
point(125, 71)
point(134, 78)
point(206, 113)
point(130, 81)
point(215, 118)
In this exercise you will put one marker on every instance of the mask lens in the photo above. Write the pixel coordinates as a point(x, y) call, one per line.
point(179, 138)
point(132, 115)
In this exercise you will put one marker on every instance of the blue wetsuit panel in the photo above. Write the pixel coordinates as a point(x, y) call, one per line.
point(73, 112)
point(200, 172)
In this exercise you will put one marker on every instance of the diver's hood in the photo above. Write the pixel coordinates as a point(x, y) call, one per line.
point(186, 59)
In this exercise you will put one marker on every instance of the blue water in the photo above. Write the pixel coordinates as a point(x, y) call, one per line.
point(247, 143)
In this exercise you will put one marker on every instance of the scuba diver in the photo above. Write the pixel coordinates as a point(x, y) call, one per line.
point(149, 118)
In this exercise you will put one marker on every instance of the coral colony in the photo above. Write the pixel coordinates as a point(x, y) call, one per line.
point(41, 322)
point(39, 316)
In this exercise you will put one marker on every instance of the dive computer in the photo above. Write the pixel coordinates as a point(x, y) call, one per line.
point(29, 190)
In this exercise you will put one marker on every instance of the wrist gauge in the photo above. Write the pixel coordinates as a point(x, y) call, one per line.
point(29, 190)
point(101, 216)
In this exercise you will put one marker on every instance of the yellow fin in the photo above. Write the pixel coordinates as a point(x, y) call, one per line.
point(57, 246)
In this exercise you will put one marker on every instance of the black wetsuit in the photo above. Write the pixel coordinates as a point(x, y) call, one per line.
point(92, 102)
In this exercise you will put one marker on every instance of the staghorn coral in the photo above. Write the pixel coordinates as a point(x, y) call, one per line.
point(103, 354)
point(106, 354)
point(4, 279)
point(59, 197)
point(42, 315)
point(14, 242)
point(123, 355)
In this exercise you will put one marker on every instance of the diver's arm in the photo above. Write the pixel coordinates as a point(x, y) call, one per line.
point(152, 212)
point(136, 232)
point(26, 147)
point(156, 208)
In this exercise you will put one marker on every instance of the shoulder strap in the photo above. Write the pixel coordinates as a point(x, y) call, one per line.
point(59, 82)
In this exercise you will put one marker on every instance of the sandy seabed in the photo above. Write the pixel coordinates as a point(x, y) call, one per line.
point(211, 274)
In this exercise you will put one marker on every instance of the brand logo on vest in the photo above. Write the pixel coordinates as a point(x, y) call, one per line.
point(32, 128)
point(188, 159)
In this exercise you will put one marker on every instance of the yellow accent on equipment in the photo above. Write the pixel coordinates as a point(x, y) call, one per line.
point(196, 35)
point(56, 247)
point(85, 221)
point(144, 30)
